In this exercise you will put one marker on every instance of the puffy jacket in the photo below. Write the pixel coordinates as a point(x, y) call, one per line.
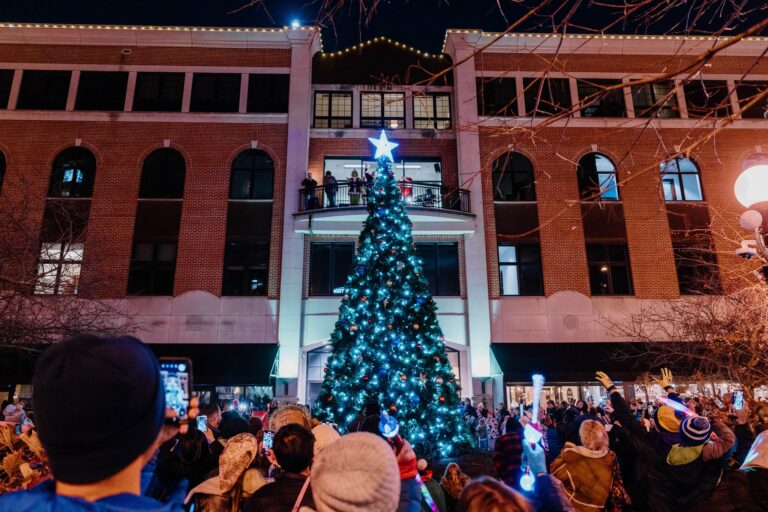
point(43, 498)
point(586, 475)
point(671, 483)
point(280, 495)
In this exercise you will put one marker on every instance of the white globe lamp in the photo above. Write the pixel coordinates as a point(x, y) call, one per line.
point(751, 186)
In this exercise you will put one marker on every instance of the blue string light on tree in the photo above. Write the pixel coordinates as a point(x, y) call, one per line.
point(387, 344)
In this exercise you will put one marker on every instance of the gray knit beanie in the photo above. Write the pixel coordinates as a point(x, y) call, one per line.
point(357, 472)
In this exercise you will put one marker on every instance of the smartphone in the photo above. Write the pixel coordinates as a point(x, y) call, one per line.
point(202, 423)
point(18, 429)
point(176, 373)
point(738, 399)
point(269, 438)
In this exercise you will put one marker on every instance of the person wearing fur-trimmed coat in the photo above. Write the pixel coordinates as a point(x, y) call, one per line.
point(586, 471)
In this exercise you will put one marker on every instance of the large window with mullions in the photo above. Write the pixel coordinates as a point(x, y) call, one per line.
point(597, 178)
point(253, 174)
point(382, 110)
point(680, 180)
point(513, 178)
point(333, 109)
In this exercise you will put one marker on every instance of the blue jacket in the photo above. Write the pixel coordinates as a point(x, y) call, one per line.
point(43, 498)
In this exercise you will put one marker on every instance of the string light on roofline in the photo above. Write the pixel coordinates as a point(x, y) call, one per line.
point(380, 39)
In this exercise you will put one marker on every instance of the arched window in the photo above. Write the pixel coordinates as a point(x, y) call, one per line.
point(597, 178)
point(3, 164)
point(513, 178)
point(162, 175)
point(253, 172)
point(680, 180)
point(73, 173)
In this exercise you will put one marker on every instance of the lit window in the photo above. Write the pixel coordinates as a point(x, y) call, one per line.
point(513, 178)
point(597, 178)
point(609, 272)
point(58, 268)
point(432, 110)
point(680, 180)
point(73, 173)
point(520, 270)
point(333, 110)
point(382, 110)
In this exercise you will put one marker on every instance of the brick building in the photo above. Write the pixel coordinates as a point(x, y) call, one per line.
point(185, 151)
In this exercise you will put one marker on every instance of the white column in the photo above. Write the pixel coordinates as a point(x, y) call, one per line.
point(130, 91)
point(303, 44)
point(243, 104)
point(186, 97)
point(476, 264)
point(74, 81)
point(13, 98)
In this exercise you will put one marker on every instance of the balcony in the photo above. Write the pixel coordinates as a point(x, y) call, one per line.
point(434, 209)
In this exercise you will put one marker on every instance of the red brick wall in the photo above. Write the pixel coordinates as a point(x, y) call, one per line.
point(120, 148)
point(652, 64)
point(144, 55)
point(637, 156)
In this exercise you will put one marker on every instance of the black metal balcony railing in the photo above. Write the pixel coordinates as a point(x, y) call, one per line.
point(416, 193)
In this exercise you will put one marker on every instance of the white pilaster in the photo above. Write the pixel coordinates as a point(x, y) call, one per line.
point(304, 43)
point(468, 146)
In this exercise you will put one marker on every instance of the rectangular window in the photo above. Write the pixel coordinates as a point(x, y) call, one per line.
point(44, 90)
point(158, 92)
point(6, 79)
point(440, 265)
point(609, 272)
point(215, 92)
point(680, 180)
point(746, 91)
point(333, 110)
point(599, 102)
point(101, 90)
point(329, 266)
point(58, 268)
point(382, 110)
point(246, 267)
point(697, 272)
point(432, 110)
point(546, 96)
point(707, 98)
point(268, 94)
point(520, 270)
point(496, 97)
point(153, 265)
point(655, 100)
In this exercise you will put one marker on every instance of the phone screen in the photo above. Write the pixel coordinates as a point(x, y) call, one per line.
point(269, 437)
point(177, 380)
point(18, 429)
point(738, 399)
point(202, 423)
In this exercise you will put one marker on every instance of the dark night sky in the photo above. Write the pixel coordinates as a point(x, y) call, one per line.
point(421, 23)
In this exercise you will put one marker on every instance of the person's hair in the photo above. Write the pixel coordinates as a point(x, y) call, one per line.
point(453, 480)
point(232, 424)
point(593, 435)
point(255, 425)
point(193, 447)
point(294, 447)
point(372, 407)
point(209, 410)
point(485, 494)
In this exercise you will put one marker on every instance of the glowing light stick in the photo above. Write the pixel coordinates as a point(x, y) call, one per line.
point(538, 383)
point(527, 481)
point(676, 406)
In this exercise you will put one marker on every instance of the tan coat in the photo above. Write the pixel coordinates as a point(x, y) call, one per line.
point(586, 474)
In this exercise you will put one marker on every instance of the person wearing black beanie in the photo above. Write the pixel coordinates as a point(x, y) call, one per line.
point(100, 414)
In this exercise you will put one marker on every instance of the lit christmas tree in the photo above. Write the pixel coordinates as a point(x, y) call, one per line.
point(387, 345)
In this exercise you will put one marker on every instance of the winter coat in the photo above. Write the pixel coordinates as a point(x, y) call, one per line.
point(586, 475)
point(43, 498)
point(680, 481)
point(410, 496)
point(745, 490)
point(208, 496)
point(280, 495)
point(508, 457)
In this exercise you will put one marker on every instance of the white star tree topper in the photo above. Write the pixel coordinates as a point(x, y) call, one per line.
point(383, 146)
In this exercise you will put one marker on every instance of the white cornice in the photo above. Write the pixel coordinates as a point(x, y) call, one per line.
point(163, 36)
point(596, 44)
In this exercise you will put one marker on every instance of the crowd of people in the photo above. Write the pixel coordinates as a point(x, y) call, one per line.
point(101, 439)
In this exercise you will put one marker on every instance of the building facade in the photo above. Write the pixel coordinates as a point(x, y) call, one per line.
point(185, 153)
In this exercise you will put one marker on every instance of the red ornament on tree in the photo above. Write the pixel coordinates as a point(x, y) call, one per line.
point(403, 377)
point(363, 299)
point(416, 326)
point(442, 398)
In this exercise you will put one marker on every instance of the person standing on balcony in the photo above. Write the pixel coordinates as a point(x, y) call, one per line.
point(355, 184)
point(310, 187)
point(331, 186)
point(369, 179)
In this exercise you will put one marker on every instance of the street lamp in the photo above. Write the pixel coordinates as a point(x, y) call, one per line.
point(751, 190)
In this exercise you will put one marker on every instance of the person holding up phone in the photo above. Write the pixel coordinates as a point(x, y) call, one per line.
point(100, 414)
